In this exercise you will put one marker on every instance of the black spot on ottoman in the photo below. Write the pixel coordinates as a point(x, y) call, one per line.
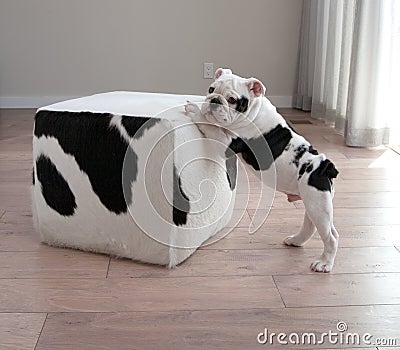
point(55, 189)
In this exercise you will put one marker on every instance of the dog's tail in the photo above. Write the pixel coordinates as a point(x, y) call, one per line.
point(327, 168)
point(321, 173)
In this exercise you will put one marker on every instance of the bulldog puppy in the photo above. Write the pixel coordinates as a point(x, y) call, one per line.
point(239, 115)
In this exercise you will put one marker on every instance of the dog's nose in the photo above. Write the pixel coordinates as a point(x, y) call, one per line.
point(215, 101)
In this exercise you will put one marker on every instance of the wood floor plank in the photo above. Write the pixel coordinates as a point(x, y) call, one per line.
point(193, 330)
point(14, 187)
point(351, 163)
point(245, 201)
point(369, 174)
point(362, 200)
point(240, 218)
point(53, 263)
point(272, 236)
point(15, 156)
point(289, 261)
point(367, 186)
point(20, 331)
point(12, 241)
point(15, 217)
point(16, 199)
point(366, 152)
point(342, 216)
point(20, 143)
point(334, 290)
point(20, 225)
point(146, 294)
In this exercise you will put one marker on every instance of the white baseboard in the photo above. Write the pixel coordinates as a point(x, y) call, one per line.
point(31, 101)
point(40, 101)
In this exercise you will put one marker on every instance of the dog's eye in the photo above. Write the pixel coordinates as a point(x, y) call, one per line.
point(232, 100)
point(211, 90)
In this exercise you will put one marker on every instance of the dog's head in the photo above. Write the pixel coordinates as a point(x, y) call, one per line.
point(230, 97)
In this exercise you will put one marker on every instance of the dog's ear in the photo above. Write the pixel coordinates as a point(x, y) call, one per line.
point(221, 71)
point(256, 87)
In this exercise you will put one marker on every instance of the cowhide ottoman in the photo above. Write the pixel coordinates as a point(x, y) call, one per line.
point(128, 174)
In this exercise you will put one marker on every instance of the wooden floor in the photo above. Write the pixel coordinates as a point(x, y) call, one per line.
point(226, 293)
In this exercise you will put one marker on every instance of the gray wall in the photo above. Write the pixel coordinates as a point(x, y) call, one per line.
point(78, 47)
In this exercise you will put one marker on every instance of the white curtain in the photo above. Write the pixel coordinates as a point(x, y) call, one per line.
point(349, 57)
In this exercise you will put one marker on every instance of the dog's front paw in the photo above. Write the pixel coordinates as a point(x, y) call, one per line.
point(192, 110)
point(293, 241)
point(322, 265)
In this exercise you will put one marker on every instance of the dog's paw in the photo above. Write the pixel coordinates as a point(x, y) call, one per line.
point(293, 241)
point(321, 265)
point(191, 109)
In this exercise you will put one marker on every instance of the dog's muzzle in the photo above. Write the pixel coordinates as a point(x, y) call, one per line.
point(215, 110)
point(215, 103)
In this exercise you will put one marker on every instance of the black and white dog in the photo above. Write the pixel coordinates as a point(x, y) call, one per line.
point(245, 120)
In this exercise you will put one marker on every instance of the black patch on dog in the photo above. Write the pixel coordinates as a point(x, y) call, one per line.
point(277, 140)
point(98, 149)
point(231, 171)
point(181, 203)
point(302, 170)
point(255, 152)
point(321, 178)
point(312, 150)
point(298, 153)
point(236, 146)
point(55, 189)
point(242, 104)
point(307, 166)
point(135, 126)
point(33, 176)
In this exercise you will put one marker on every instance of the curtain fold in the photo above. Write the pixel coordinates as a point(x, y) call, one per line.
point(347, 71)
point(306, 60)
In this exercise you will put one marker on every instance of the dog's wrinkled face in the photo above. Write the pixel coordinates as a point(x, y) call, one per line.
point(230, 97)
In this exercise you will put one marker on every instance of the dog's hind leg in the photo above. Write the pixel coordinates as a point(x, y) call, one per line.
point(304, 235)
point(330, 238)
point(319, 208)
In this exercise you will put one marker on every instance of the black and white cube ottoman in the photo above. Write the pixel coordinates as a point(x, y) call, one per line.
point(128, 174)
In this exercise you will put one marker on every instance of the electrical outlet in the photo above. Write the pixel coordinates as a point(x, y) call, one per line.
point(208, 70)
